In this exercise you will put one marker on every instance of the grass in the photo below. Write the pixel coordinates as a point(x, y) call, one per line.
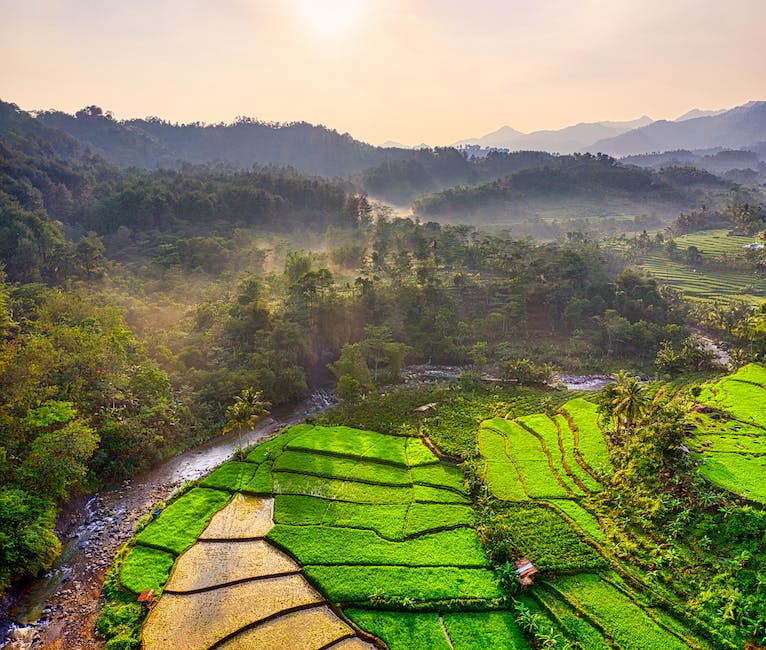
point(341, 468)
point(482, 630)
point(540, 534)
point(385, 519)
point(328, 545)
point(546, 428)
point(231, 476)
point(528, 456)
point(623, 619)
point(402, 630)
point(375, 584)
point(571, 621)
point(440, 474)
point(422, 517)
point(584, 519)
point(588, 436)
point(570, 457)
point(179, 525)
point(352, 443)
point(146, 568)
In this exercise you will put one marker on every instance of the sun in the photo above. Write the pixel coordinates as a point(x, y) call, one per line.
point(330, 18)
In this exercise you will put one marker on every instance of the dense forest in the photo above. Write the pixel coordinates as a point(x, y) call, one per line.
point(136, 303)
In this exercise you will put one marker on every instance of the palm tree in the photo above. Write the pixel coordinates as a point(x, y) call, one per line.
point(241, 416)
point(628, 404)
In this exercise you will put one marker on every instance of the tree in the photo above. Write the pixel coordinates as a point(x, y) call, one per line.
point(241, 416)
point(628, 405)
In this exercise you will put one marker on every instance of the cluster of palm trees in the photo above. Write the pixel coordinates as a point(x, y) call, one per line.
point(243, 413)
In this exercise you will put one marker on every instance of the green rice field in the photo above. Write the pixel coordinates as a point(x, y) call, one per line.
point(730, 443)
point(703, 283)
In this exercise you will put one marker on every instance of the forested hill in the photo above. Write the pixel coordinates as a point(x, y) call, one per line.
point(393, 174)
point(583, 183)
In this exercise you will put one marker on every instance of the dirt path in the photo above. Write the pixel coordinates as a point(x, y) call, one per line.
point(59, 610)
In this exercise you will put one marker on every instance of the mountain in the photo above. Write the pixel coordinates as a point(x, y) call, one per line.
point(737, 128)
point(566, 140)
point(696, 112)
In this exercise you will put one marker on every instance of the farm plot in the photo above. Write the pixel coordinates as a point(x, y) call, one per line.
point(341, 468)
point(731, 447)
point(179, 525)
point(500, 473)
point(589, 439)
point(537, 476)
point(744, 400)
point(387, 520)
point(706, 284)
point(536, 531)
point(482, 630)
point(352, 584)
point(541, 425)
point(402, 630)
point(329, 545)
point(626, 622)
point(572, 457)
point(362, 445)
point(236, 592)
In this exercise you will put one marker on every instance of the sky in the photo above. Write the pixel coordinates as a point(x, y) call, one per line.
point(412, 71)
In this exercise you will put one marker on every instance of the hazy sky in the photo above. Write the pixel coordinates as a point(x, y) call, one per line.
point(431, 71)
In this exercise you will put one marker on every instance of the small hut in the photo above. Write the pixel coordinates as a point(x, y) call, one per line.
point(526, 572)
point(146, 597)
point(421, 412)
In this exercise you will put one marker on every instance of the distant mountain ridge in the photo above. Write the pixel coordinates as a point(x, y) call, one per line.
point(567, 140)
point(737, 128)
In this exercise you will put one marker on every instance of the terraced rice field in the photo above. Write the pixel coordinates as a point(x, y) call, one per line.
point(542, 468)
point(730, 443)
point(367, 520)
point(704, 283)
point(234, 589)
point(545, 457)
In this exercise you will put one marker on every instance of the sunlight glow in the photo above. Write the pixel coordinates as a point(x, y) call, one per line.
point(330, 18)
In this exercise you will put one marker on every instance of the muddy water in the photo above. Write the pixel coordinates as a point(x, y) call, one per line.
point(59, 609)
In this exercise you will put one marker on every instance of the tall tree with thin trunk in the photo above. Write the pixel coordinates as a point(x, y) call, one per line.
point(242, 415)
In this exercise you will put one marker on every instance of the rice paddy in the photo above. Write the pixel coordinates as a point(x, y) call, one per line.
point(729, 444)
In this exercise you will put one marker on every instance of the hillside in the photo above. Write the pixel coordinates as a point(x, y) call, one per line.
point(738, 128)
point(579, 185)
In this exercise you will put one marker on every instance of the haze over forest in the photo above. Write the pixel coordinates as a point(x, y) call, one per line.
point(409, 324)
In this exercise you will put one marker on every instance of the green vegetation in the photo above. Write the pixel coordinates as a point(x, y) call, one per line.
point(538, 532)
point(146, 568)
point(481, 630)
point(624, 620)
point(589, 439)
point(422, 517)
point(329, 546)
point(232, 476)
point(402, 630)
point(382, 584)
point(387, 520)
point(179, 525)
point(340, 468)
